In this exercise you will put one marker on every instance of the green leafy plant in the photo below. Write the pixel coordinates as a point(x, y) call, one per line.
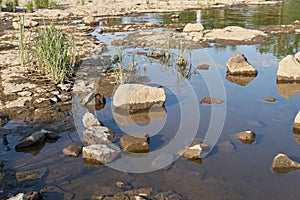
point(52, 52)
point(29, 7)
point(11, 5)
point(0, 5)
point(53, 5)
point(118, 66)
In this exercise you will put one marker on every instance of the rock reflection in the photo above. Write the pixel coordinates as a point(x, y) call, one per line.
point(125, 118)
point(296, 135)
point(287, 90)
point(240, 80)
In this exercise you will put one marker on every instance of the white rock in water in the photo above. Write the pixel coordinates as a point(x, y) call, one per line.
point(297, 121)
point(97, 135)
point(20, 196)
point(238, 65)
point(288, 69)
point(137, 96)
point(101, 152)
point(193, 27)
point(90, 120)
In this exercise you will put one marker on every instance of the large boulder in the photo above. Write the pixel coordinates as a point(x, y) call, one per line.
point(283, 164)
point(238, 65)
point(289, 69)
point(97, 135)
point(193, 28)
point(135, 144)
point(137, 97)
point(90, 120)
point(101, 153)
point(246, 137)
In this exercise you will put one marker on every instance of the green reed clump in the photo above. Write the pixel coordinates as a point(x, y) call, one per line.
point(41, 3)
point(21, 40)
point(52, 52)
point(29, 7)
point(11, 5)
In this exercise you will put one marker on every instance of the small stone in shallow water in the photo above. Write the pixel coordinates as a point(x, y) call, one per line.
point(269, 99)
point(203, 67)
point(28, 175)
point(120, 184)
point(282, 164)
point(73, 150)
point(211, 100)
point(134, 144)
point(246, 137)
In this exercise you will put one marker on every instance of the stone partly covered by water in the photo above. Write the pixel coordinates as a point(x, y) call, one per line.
point(163, 160)
point(270, 99)
point(137, 97)
point(135, 144)
point(246, 137)
point(37, 138)
point(296, 125)
point(289, 69)
point(283, 164)
point(90, 120)
point(101, 152)
point(211, 100)
point(194, 151)
point(238, 65)
point(73, 150)
point(97, 135)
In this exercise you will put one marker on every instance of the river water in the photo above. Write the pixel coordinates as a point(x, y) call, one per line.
point(231, 170)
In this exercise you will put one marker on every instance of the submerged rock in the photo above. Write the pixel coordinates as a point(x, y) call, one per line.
point(203, 67)
point(163, 160)
point(238, 65)
point(101, 152)
point(90, 120)
point(28, 175)
point(97, 135)
point(73, 150)
point(288, 70)
point(134, 144)
point(246, 137)
point(283, 164)
point(137, 97)
point(194, 151)
point(193, 27)
point(211, 100)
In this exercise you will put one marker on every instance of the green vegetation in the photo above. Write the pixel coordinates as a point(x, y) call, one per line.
point(11, 5)
point(118, 66)
point(21, 40)
point(82, 2)
point(29, 7)
point(52, 52)
point(0, 5)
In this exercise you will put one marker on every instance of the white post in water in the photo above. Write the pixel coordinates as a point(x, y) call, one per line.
point(198, 18)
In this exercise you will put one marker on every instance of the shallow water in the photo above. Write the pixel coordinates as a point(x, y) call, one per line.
point(231, 170)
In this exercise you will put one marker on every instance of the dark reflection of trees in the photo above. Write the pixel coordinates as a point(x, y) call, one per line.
point(281, 45)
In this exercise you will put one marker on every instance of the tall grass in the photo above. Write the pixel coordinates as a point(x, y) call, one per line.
point(11, 5)
point(21, 40)
point(52, 52)
point(41, 3)
point(118, 67)
point(29, 7)
point(0, 5)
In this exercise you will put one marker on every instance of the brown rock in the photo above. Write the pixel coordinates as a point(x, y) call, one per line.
point(193, 151)
point(211, 100)
point(283, 164)
point(203, 67)
point(269, 99)
point(246, 137)
point(73, 150)
point(134, 144)
point(28, 175)
point(239, 79)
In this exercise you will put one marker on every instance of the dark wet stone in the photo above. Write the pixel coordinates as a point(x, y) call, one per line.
point(134, 144)
point(3, 120)
point(37, 137)
point(226, 147)
point(211, 100)
point(246, 137)
point(170, 195)
point(73, 150)
point(269, 99)
point(282, 164)
point(28, 175)
point(33, 195)
point(1, 164)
